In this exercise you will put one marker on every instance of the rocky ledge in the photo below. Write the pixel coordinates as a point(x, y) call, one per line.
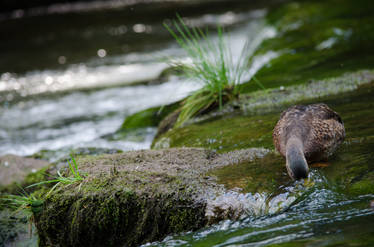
point(136, 197)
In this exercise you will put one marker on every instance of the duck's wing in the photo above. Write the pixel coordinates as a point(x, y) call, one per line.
point(322, 111)
point(327, 133)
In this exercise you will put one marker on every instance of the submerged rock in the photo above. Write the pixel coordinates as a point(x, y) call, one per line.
point(141, 196)
point(15, 229)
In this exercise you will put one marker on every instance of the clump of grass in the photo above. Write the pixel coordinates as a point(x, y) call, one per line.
point(212, 64)
point(29, 204)
point(24, 202)
point(60, 179)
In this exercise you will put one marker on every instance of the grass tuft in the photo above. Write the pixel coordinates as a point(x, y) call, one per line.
point(60, 179)
point(25, 202)
point(212, 64)
point(29, 204)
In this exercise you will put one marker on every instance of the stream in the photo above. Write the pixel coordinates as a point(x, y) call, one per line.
point(76, 105)
point(69, 78)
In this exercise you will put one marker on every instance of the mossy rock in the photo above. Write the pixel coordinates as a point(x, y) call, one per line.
point(225, 134)
point(147, 118)
point(252, 125)
point(140, 196)
point(351, 169)
point(316, 40)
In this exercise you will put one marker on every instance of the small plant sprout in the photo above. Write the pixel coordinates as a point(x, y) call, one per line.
point(60, 179)
point(211, 63)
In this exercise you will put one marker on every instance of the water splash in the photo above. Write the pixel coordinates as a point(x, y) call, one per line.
point(316, 211)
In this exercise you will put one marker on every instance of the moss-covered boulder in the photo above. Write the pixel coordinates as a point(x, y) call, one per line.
point(140, 196)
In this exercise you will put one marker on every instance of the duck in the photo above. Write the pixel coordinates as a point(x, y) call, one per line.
point(306, 134)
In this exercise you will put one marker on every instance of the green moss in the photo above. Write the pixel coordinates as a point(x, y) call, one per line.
point(226, 134)
point(364, 186)
point(121, 209)
point(302, 29)
point(147, 118)
point(262, 175)
point(351, 169)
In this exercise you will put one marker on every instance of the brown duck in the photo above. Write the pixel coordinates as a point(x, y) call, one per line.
point(307, 134)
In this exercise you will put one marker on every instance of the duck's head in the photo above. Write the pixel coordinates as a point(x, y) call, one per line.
point(297, 166)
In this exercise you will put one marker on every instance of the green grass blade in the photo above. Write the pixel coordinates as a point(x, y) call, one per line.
point(76, 171)
point(52, 189)
point(43, 182)
point(258, 83)
point(213, 65)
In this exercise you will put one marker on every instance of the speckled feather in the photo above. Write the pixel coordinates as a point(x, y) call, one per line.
point(319, 128)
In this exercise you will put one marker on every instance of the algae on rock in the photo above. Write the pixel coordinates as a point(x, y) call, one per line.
point(140, 196)
point(317, 40)
point(159, 192)
point(147, 118)
point(232, 132)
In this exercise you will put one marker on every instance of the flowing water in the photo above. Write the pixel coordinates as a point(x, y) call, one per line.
point(76, 99)
point(335, 208)
point(320, 214)
point(323, 218)
point(67, 80)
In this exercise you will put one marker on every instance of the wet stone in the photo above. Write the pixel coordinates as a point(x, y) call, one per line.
point(141, 196)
